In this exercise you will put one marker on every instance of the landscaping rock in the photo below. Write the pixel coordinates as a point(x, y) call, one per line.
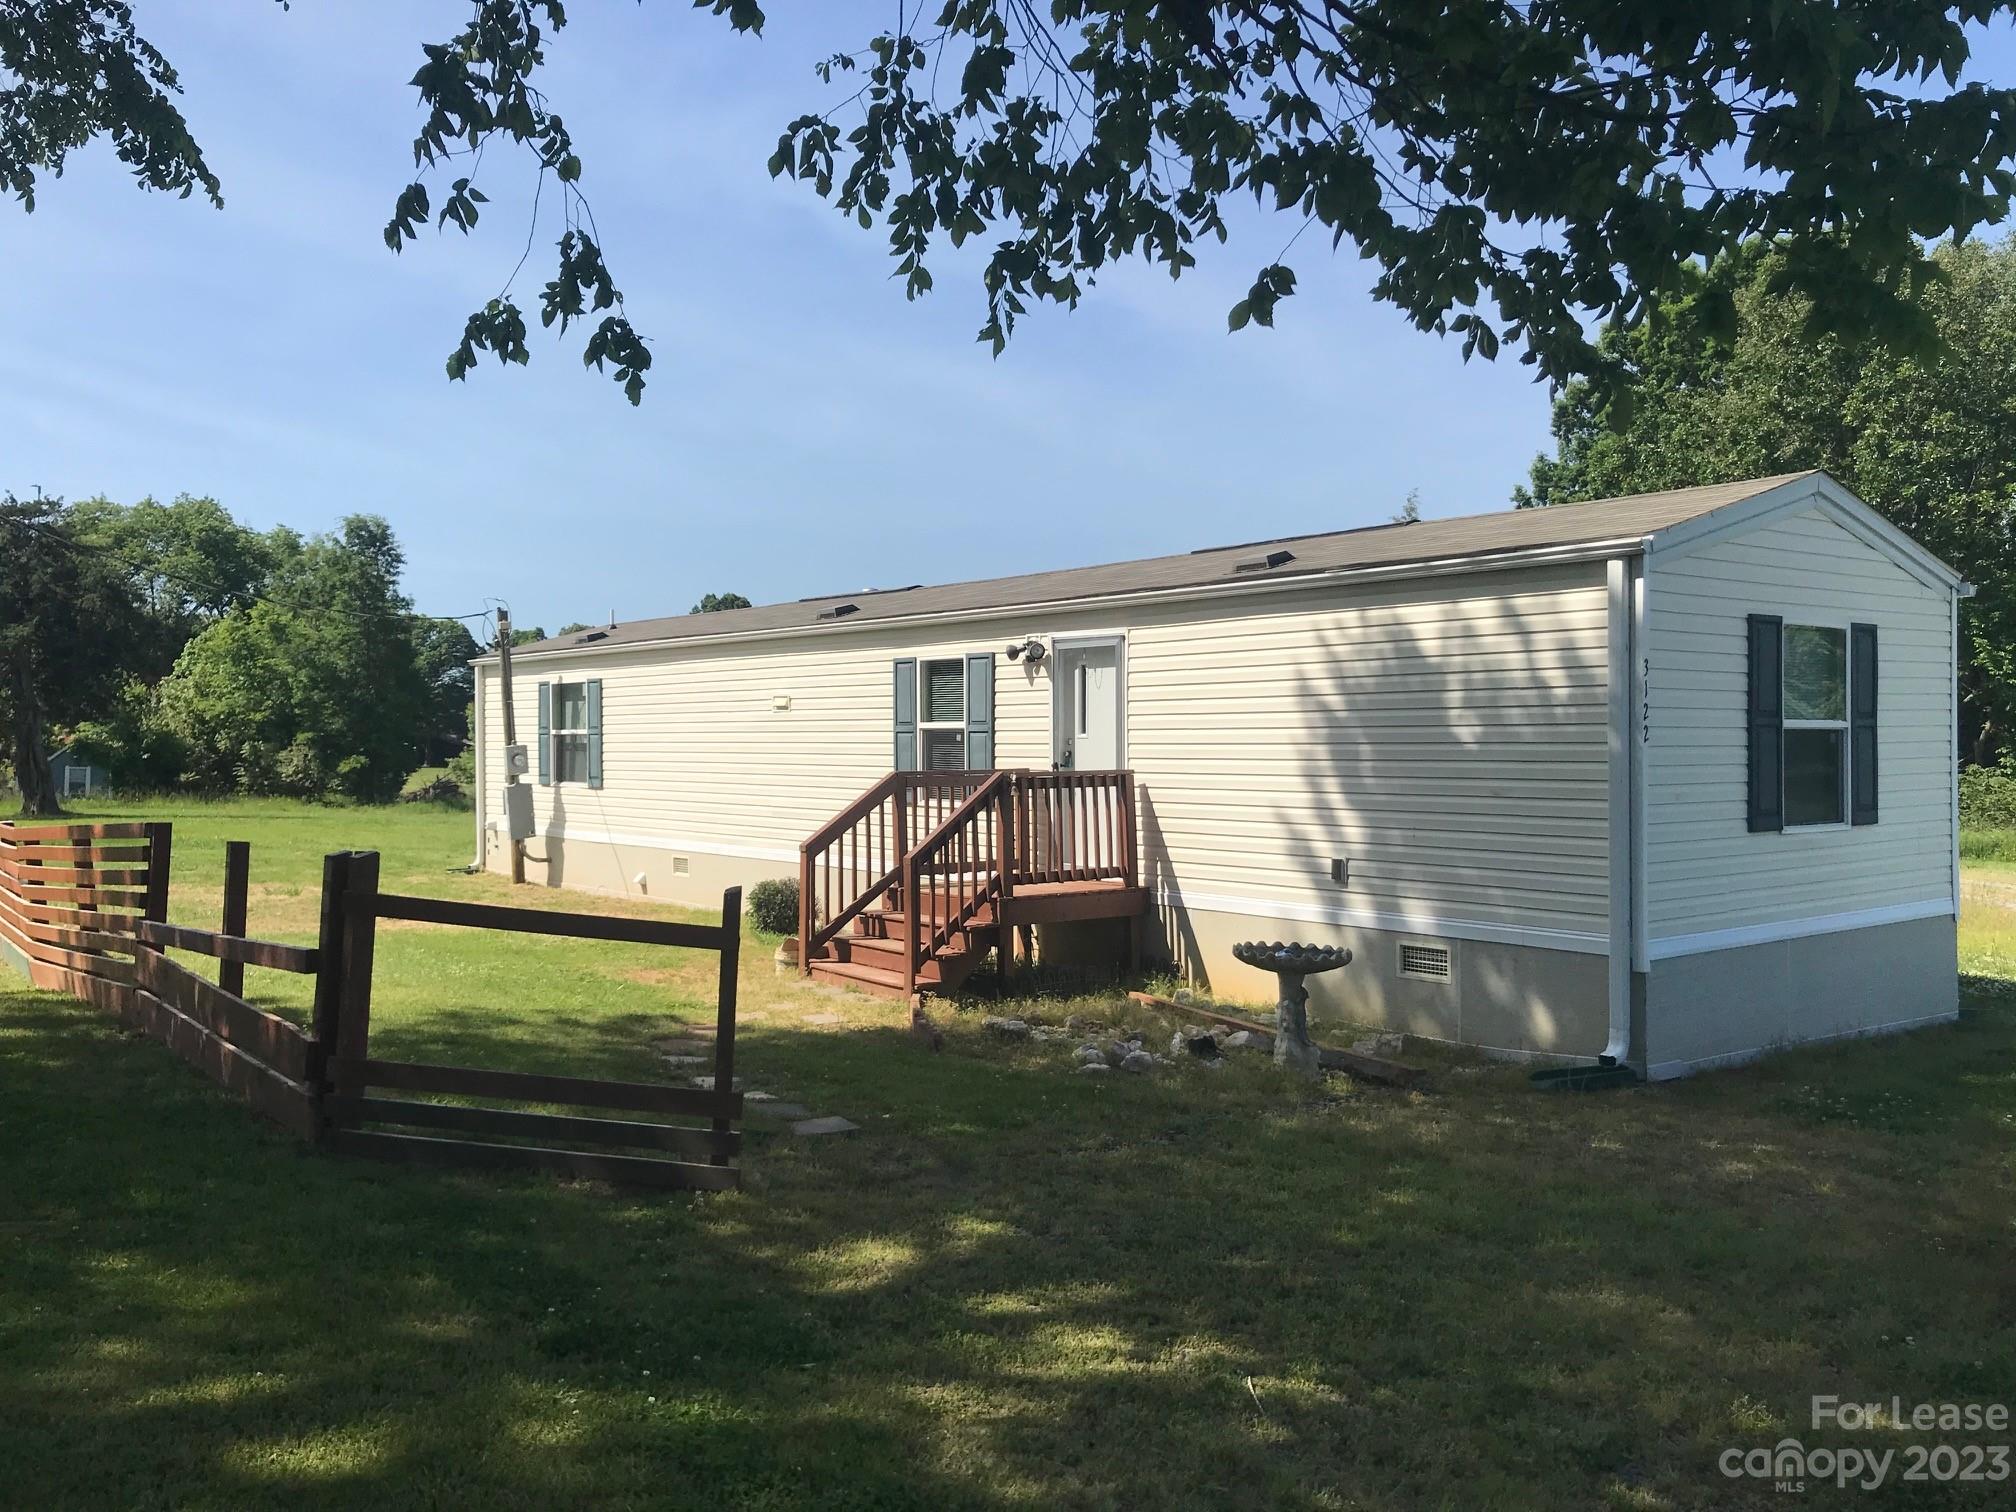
point(688, 1060)
point(1095, 1068)
point(1007, 1028)
point(1243, 1039)
point(818, 1126)
point(1194, 1039)
point(1138, 1061)
point(1091, 1055)
point(706, 1083)
point(1187, 997)
point(1387, 1045)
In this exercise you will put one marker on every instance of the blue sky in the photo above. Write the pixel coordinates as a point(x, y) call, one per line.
point(806, 430)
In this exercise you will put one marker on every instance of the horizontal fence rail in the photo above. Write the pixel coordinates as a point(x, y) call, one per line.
point(83, 909)
point(359, 1122)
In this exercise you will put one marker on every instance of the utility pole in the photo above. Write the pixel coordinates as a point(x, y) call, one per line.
point(510, 740)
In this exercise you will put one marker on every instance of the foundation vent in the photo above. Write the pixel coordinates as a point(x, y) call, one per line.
point(1425, 962)
point(681, 867)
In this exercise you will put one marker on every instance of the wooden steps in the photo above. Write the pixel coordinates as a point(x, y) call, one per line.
point(872, 960)
point(985, 852)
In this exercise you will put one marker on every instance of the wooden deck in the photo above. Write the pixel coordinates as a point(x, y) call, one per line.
point(911, 886)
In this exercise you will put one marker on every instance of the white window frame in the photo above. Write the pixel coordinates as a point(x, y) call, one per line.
point(554, 734)
point(926, 726)
point(1808, 621)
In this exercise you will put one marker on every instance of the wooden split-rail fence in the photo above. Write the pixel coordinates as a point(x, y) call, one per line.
point(84, 910)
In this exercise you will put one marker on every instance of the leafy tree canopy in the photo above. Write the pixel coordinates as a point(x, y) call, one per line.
point(1517, 169)
point(321, 686)
point(715, 602)
point(190, 561)
point(1928, 440)
point(68, 620)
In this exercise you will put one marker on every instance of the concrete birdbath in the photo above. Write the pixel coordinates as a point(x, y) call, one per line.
point(1291, 964)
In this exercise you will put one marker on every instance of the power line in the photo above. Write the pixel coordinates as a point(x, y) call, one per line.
point(219, 590)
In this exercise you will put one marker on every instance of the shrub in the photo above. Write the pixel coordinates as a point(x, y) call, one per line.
point(1988, 796)
point(773, 905)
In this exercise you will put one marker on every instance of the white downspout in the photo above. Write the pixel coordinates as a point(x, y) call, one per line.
point(479, 715)
point(1621, 582)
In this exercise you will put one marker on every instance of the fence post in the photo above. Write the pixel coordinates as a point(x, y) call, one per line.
point(328, 979)
point(724, 1017)
point(160, 860)
point(237, 884)
point(360, 943)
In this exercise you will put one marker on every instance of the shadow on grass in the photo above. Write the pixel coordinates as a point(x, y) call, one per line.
point(1015, 1288)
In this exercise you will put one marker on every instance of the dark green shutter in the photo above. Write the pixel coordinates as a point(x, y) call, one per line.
point(545, 734)
point(594, 732)
point(980, 711)
point(1767, 722)
point(1862, 723)
point(906, 714)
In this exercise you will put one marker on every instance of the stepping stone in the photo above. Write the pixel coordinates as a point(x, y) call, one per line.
point(759, 1097)
point(824, 1126)
point(782, 1110)
point(688, 1060)
point(706, 1083)
point(825, 1018)
point(684, 1047)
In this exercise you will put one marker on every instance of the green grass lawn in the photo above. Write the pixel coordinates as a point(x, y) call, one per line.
point(1015, 1288)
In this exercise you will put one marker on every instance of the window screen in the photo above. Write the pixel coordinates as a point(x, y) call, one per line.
point(944, 692)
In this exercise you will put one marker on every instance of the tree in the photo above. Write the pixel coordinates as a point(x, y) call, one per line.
point(190, 562)
point(443, 650)
point(1517, 170)
point(1928, 441)
point(714, 603)
point(68, 624)
point(319, 687)
point(1409, 512)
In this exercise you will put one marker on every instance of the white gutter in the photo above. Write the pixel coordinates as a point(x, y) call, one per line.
point(1545, 556)
point(1621, 581)
point(476, 740)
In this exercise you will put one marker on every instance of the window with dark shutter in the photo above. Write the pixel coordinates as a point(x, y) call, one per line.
point(1862, 722)
point(545, 734)
point(905, 706)
point(980, 711)
point(1767, 728)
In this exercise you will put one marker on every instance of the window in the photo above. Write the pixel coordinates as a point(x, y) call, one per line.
point(1815, 725)
point(570, 732)
point(941, 723)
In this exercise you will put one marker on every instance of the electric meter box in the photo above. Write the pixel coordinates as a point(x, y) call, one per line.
point(517, 811)
point(517, 762)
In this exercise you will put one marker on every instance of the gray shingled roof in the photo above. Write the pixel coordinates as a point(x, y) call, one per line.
point(1508, 530)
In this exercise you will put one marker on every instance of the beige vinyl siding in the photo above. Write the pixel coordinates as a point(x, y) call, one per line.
point(1705, 871)
point(1446, 736)
point(695, 752)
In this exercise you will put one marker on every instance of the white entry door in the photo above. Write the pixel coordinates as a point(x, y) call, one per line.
point(1086, 732)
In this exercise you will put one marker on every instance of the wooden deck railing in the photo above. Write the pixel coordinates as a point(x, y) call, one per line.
point(960, 868)
point(1075, 827)
point(929, 837)
point(856, 858)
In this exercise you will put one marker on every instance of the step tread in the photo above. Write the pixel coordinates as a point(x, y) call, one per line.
point(858, 972)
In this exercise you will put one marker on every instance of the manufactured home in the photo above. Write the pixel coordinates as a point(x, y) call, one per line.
point(1667, 779)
